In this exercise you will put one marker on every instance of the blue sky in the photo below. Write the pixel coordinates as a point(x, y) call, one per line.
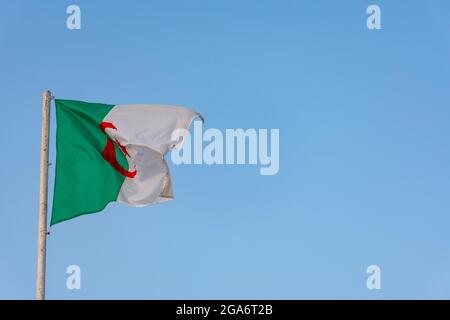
point(364, 154)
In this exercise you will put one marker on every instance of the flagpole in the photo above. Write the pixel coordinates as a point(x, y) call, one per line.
point(43, 186)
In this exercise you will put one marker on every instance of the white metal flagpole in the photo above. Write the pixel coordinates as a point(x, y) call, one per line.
point(43, 186)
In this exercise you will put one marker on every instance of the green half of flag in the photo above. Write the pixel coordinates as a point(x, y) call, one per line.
point(84, 181)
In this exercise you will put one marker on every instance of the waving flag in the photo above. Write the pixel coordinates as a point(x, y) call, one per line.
point(113, 153)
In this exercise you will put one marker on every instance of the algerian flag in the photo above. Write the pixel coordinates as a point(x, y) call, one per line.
point(110, 153)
